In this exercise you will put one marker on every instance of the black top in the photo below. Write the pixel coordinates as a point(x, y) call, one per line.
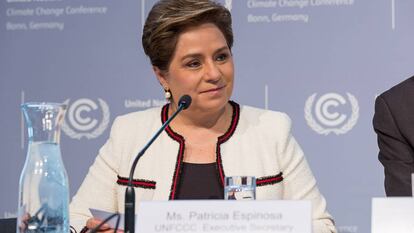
point(200, 181)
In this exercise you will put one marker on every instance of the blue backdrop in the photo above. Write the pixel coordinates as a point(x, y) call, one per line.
point(321, 61)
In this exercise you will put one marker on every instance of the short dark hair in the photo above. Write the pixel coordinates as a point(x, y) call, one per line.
point(168, 18)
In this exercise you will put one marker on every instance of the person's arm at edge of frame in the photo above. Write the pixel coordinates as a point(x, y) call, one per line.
point(394, 153)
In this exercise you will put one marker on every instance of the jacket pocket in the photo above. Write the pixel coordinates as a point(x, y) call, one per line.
point(269, 187)
point(269, 180)
point(139, 183)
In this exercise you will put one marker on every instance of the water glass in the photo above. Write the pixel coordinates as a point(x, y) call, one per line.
point(240, 188)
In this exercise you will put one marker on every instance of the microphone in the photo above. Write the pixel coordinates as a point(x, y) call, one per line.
point(184, 101)
point(129, 224)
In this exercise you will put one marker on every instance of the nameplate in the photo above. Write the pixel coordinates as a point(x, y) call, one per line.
point(392, 215)
point(225, 217)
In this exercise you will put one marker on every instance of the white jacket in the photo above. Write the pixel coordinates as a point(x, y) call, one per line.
point(258, 143)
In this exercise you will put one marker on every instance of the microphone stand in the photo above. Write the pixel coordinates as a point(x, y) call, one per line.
point(129, 224)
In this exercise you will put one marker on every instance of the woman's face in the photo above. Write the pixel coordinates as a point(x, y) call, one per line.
point(202, 67)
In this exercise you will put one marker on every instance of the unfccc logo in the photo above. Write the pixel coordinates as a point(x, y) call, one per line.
point(80, 122)
point(327, 119)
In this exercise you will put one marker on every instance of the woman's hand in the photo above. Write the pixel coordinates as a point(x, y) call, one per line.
point(24, 222)
point(93, 222)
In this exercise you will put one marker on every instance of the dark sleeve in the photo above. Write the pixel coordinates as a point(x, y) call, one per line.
point(395, 154)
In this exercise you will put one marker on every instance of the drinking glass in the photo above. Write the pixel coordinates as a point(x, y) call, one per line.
point(240, 188)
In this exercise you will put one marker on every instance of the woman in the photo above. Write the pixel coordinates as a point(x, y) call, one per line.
point(189, 44)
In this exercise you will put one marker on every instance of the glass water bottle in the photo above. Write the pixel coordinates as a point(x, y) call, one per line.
point(43, 186)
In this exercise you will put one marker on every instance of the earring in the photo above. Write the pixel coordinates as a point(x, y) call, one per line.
point(167, 94)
